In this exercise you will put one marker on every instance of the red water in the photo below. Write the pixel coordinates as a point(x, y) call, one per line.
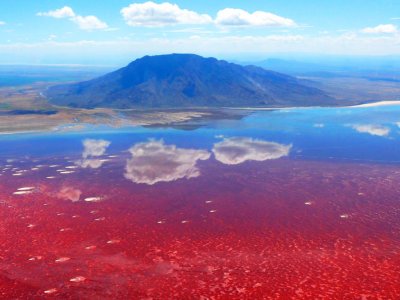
point(281, 229)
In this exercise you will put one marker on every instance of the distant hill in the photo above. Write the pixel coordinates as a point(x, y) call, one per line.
point(19, 75)
point(378, 67)
point(187, 80)
point(291, 67)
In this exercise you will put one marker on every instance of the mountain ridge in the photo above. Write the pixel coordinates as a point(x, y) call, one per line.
point(188, 80)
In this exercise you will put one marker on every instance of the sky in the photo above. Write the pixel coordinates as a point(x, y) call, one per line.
point(113, 32)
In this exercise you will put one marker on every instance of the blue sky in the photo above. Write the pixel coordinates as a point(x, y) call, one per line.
point(117, 31)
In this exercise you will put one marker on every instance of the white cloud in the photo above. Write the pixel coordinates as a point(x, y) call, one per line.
point(228, 45)
point(69, 193)
point(240, 17)
point(154, 162)
point(236, 150)
point(93, 148)
point(2, 23)
point(383, 28)
point(52, 37)
point(84, 22)
point(65, 12)
point(377, 130)
point(89, 23)
point(153, 14)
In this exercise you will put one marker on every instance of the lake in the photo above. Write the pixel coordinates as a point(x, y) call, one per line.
point(287, 203)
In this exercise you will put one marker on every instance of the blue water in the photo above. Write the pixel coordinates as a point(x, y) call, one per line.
point(353, 134)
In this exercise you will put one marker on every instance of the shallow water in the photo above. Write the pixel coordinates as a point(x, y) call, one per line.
point(299, 203)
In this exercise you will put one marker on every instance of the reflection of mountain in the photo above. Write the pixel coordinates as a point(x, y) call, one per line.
point(186, 80)
point(233, 151)
point(154, 162)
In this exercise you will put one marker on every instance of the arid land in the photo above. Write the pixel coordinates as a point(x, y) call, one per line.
point(23, 109)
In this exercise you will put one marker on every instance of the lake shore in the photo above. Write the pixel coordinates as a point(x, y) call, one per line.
point(379, 103)
point(23, 110)
point(68, 120)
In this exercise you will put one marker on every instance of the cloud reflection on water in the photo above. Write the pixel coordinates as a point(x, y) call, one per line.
point(69, 193)
point(236, 150)
point(377, 130)
point(154, 161)
point(93, 148)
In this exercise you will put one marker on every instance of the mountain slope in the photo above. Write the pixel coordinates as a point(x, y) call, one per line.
point(186, 80)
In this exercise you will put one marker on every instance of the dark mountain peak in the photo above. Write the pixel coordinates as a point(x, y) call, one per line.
point(183, 80)
point(179, 58)
point(170, 62)
point(163, 66)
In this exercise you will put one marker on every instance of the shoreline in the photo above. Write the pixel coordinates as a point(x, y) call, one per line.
point(377, 104)
point(371, 104)
point(176, 117)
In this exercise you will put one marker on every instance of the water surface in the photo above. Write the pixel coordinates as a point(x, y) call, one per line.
point(297, 203)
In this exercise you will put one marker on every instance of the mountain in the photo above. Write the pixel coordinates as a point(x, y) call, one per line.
point(187, 80)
